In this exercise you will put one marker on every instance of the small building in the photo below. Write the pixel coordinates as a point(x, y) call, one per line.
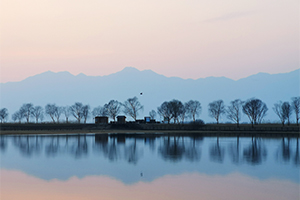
point(121, 119)
point(101, 120)
point(147, 119)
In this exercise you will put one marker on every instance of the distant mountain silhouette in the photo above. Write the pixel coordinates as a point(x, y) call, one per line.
point(64, 88)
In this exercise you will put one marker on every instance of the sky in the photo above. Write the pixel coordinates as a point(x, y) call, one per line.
point(188, 39)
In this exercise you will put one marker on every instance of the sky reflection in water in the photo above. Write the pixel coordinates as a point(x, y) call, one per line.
point(149, 167)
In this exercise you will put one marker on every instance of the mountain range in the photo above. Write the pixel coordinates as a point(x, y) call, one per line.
point(63, 88)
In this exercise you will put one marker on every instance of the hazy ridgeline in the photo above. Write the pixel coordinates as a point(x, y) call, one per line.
point(64, 89)
point(173, 111)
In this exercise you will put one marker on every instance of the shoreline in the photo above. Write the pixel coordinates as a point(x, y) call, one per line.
point(155, 133)
point(262, 130)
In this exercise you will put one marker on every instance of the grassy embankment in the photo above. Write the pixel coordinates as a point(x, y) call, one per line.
point(207, 129)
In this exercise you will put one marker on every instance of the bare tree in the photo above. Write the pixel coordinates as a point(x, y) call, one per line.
point(113, 108)
point(18, 115)
point(76, 110)
point(50, 110)
point(287, 111)
point(96, 111)
point(193, 108)
point(37, 113)
point(27, 109)
point(67, 112)
point(132, 106)
point(279, 112)
point(164, 111)
point(255, 109)
point(234, 111)
point(176, 109)
point(216, 109)
point(85, 112)
point(296, 107)
point(3, 114)
point(57, 113)
point(100, 111)
point(152, 114)
point(184, 112)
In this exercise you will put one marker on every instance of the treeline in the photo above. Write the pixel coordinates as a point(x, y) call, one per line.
point(174, 110)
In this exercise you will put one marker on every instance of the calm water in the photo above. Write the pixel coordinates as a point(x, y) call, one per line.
point(138, 167)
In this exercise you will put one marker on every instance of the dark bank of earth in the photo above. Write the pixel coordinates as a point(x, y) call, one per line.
point(267, 130)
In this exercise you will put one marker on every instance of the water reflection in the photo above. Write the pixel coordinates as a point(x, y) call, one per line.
point(185, 186)
point(173, 149)
point(234, 151)
point(170, 148)
point(3, 143)
point(217, 152)
point(116, 148)
point(256, 152)
point(137, 154)
point(28, 145)
point(297, 155)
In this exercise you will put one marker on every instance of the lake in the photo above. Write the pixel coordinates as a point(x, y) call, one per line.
point(157, 166)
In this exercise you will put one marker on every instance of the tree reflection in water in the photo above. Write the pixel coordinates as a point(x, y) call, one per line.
point(297, 156)
point(124, 148)
point(109, 149)
point(193, 152)
point(53, 147)
point(234, 151)
point(172, 149)
point(284, 150)
point(255, 153)
point(3, 144)
point(217, 152)
point(176, 148)
point(169, 148)
point(131, 153)
point(28, 145)
point(81, 148)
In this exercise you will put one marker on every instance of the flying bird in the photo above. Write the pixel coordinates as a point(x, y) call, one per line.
point(141, 93)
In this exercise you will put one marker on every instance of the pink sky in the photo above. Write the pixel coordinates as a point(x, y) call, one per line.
point(188, 39)
point(17, 185)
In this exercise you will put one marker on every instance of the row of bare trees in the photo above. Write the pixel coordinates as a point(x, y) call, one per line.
point(284, 110)
point(254, 109)
point(78, 110)
point(178, 111)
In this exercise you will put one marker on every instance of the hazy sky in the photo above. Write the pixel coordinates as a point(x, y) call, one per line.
point(185, 38)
